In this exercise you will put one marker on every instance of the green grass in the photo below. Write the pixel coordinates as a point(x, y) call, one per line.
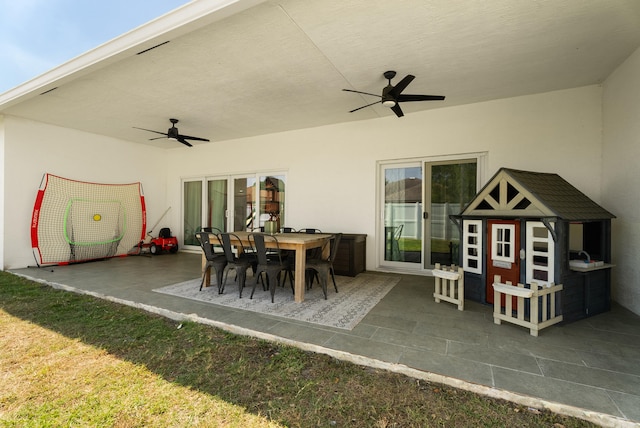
point(412, 244)
point(73, 360)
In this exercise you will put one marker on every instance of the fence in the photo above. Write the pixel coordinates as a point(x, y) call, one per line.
point(540, 299)
point(449, 285)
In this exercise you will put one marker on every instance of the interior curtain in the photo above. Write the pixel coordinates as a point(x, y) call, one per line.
point(192, 211)
point(217, 204)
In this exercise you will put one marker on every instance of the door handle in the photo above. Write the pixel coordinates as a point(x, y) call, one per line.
point(425, 215)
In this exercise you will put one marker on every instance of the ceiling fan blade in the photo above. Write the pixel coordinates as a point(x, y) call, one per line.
point(151, 130)
point(364, 93)
point(158, 138)
point(185, 142)
point(407, 97)
point(186, 137)
point(397, 110)
point(401, 85)
point(360, 108)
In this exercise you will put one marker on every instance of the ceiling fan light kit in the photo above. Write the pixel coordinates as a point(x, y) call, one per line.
point(173, 134)
point(392, 96)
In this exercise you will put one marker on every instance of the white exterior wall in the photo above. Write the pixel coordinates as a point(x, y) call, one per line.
point(621, 178)
point(2, 190)
point(33, 149)
point(331, 183)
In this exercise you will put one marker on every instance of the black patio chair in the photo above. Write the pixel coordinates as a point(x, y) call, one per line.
point(324, 267)
point(270, 262)
point(215, 261)
point(240, 263)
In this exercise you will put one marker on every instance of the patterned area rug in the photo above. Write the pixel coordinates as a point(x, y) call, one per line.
point(345, 309)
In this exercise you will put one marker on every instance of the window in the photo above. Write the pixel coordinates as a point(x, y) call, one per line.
point(540, 254)
point(503, 236)
point(472, 246)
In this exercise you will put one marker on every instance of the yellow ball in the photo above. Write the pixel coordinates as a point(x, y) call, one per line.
point(97, 217)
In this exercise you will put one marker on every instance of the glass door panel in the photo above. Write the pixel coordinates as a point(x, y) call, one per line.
point(216, 214)
point(192, 211)
point(272, 191)
point(403, 214)
point(451, 186)
point(244, 204)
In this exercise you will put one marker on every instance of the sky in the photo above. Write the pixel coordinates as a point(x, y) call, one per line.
point(38, 35)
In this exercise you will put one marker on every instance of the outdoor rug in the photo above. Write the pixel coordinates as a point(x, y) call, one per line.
point(355, 298)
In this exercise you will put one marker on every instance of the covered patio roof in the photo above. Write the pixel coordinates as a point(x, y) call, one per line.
point(230, 69)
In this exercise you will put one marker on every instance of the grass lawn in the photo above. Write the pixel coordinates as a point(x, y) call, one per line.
point(74, 360)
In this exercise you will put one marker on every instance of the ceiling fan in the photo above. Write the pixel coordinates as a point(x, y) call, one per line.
point(173, 134)
point(392, 95)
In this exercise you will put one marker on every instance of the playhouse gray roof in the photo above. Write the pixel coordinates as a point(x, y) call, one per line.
point(549, 195)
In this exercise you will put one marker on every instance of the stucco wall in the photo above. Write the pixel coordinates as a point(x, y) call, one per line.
point(33, 149)
point(331, 180)
point(621, 179)
point(331, 170)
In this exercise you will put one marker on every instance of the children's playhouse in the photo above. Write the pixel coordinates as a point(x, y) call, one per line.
point(536, 227)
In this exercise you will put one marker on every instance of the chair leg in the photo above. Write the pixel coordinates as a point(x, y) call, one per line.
point(224, 281)
point(257, 277)
point(333, 277)
point(241, 277)
point(274, 281)
point(219, 278)
point(323, 278)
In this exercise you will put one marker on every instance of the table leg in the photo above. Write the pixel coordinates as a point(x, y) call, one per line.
point(207, 274)
point(301, 262)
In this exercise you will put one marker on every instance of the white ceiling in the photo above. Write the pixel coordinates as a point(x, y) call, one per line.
point(281, 64)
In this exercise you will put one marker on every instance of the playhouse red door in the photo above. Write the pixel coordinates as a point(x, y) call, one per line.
point(503, 253)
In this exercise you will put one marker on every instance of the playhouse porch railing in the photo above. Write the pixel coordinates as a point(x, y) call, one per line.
point(449, 285)
point(540, 299)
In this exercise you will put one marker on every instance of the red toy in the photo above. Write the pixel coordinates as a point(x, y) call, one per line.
point(164, 242)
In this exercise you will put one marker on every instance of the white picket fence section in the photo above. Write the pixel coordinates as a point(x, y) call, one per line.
point(449, 285)
point(542, 308)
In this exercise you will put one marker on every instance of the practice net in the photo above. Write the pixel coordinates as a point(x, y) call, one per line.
point(75, 221)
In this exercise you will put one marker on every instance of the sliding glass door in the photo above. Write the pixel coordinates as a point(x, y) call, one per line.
point(232, 203)
point(450, 186)
point(402, 213)
point(417, 199)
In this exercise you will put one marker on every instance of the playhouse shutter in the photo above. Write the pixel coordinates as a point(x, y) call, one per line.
point(472, 246)
point(540, 254)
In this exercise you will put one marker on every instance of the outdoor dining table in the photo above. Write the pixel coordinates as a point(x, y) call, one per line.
point(298, 242)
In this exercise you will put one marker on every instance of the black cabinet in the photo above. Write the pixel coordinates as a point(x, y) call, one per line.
point(352, 255)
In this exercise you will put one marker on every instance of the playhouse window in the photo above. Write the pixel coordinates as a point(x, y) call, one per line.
point(472, 246)
point(540, 254)
point(502, 237)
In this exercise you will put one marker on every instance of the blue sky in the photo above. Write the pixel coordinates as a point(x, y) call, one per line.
point(38, 35)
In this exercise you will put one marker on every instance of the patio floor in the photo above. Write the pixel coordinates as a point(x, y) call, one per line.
point(589, 368)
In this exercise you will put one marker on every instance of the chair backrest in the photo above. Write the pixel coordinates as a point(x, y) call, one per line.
point(287, 230)
point(258, 241)
point(309, 230)
point(226, 245)
point(165, 232)
point(397, 233)
point(335, 242)
point(207, 246)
